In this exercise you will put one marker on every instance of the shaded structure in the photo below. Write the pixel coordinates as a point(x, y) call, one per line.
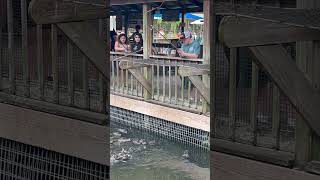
point(263, 93)
point(54, 91)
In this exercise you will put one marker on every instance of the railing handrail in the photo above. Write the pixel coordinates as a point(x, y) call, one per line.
point(205, 67)
point(157, 57)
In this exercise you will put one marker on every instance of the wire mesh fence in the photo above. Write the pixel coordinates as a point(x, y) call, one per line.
point(25, 162)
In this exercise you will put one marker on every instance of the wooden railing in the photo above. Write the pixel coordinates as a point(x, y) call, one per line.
point(168, 87)
point(41, 69)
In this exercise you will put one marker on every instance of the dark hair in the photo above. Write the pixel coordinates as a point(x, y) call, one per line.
point(122, 35)
point(138, 27)
point(140, 36)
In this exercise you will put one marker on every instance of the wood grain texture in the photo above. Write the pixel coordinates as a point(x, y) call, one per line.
point(253, 152)
point(241, 32)
point(56, 11)
point(86, 39)
point(227, 167)
point(291, 81)
point(65, 111)
point(68, 136)
point(139, 76)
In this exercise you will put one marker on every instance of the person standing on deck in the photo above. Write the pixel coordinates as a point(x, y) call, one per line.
point(138, 28)
point(190, 48)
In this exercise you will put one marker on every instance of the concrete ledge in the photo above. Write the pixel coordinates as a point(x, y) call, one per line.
point(169, 114)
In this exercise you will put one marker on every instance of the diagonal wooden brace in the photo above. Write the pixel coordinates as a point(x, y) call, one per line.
point(86, 39)
point(137, 74)
point(241, 32)
point(294, 84)
point(193, 75)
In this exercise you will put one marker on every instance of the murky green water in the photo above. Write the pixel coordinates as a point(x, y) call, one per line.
point(137, 155)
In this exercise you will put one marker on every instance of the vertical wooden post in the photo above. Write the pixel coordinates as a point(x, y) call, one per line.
point(85, 88)
point(70, 72)
point(209, 40)
point(276, 108)
point(232, 89)
point(276, 116)
point(102, 85)
point(12, 72)
point(253, 103)
point(54, 56)
point(147, 42)
point(307, 145)
point(24, 39)
point(40, 60)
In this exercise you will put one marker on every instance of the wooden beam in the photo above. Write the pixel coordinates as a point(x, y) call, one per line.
point(57, 11)
point(226, 167)
point(241, 32)
point(140, 78)
point(54, 62)
point(313, 167)
point(253, 152)
point(147, 43)
point(56, 133)
point(253, 101)
point(24, 48)
point(126, 2)
point(186, 71)
point(291, 81)
point(198, 83)
point(129, 65)
point(83, 36)
point(51, 108)
point(12, 72)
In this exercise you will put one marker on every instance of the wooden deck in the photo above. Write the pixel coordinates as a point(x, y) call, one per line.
point(227, 167)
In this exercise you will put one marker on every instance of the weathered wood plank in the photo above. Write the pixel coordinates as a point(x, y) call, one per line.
point(276, 117)
point(147, 43)
point(57, 11)
point(198, 83)
point(85, 80)
point(124, 2)
point(82, 35)
point(138, 75)
point(313, 167)
point(253, 152)
point(241, 32)
point(192, 72)
point(54, 61)
point(60, 134)
point(40, 60)
point(292, 82)
point(24, 48)
point(227, 167)
point(253, 101)
point(103, 92)
point(12, 72)
point(131, 65)
point(233, 90)
point(51, 108)
point(70, 73)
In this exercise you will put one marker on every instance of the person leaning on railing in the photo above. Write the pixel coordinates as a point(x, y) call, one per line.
point(190, 48)
point(122, 44)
